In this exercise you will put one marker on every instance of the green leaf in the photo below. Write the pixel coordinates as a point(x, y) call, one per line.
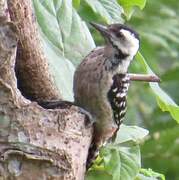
point(61, 31)
point(126, 165)
point(61, 69)
point(149, 174)
point(130, 133)
point(110, 11)
point(121, 159)
point(48, 23)
point(98, 175)
point(64, 17)
point(120, 162)
point(164, 101)
point(76, 4)
point(129, 5)
point(111, 158)
point(80, 41)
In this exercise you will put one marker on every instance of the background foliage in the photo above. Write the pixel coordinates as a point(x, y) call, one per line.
point(159, 28)
point(66, 40)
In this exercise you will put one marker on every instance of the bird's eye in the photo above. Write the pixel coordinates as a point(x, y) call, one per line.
point(119, 34)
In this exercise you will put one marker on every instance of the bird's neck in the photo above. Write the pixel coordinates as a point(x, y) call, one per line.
point(117, 61)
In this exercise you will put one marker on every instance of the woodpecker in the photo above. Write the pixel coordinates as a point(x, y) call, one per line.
point(101, 82)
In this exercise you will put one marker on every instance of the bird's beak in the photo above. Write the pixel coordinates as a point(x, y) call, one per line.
point(101, 28)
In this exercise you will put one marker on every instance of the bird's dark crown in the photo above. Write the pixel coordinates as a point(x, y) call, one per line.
point(115, 28)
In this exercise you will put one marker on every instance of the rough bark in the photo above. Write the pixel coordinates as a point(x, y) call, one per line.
point(35, 143)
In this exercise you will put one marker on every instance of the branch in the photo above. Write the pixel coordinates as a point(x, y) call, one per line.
point(144, 77)
point(32, 70)
point(35, 142)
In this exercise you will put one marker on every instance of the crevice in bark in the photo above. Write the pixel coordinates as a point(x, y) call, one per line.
point(35, 143)
point(34, 79)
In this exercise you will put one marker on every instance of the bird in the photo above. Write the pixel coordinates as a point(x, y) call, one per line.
point(101, 82)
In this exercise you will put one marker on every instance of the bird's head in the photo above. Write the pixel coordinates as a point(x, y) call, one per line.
point(120, 37)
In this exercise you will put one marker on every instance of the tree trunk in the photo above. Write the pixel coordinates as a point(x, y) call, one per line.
point(35, 143)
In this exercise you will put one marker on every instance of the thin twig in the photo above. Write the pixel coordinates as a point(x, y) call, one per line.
point(144, 77)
